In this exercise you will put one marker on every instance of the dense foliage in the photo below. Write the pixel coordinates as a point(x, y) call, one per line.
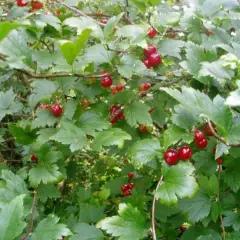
point(120, 120)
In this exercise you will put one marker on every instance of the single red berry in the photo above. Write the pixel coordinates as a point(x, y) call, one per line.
point(182, 229)
point(131, 186)
point(34, 158)
point(36, 5)
point(185, 153)
point(124, 187)
point(44, 106)
point(106, 80)
point(149, 50)
point(155, 59)
point(202, 144)
point(104, 20)
point(57, 13)
point(144, 87)
point(198, 136)
point(171, 35)
point(116, 113)
point(131, 175)
point(56, 109)
point(127, 193)
point(114, 90)
point(152, 32)
point(143, 128)
point(120, 87)
point(146, 63)
point(209, 32)
point(22, 3)
point(171, 157)
point(219, 161)
point(208, 131)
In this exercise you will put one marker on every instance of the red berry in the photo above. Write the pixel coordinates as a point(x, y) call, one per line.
point(208, 131)
point(114, 90)
point(43, 106)
point(116, 113)
point(146, 63)
point(171, 157)
point(131, 186)
point(155, 59)
point(57, 13)
point(182, 229)
point(22, 3)
point(130, 175)
point(209, 32)
point(219, 161)
point(120, 87)
point(56, 109)
point(185, 153)
point(34, 158)
point(104, 21)
point(106, 81)
point(152, 32)
point(198, 136)
point(143, 128)
point(124, 187)
point(202, 144)
point(144, 87)
point(36, 5)
point(127, 193)
point(149, 50)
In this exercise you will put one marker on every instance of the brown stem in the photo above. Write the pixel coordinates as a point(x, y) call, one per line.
point(154, 236)
point(79, 12)
point(30, 226)
point(218, 199)
point(221, 139)
point(58, 75)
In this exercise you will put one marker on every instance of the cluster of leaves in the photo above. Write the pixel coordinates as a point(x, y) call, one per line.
point(61, 174)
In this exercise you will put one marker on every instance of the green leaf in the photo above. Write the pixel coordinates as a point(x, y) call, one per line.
point(173, 134)
point(6, 28)
point(90, 213)
point(50, 229)
point(113, 136)
point(232, 219)
point(178, 182)
point(43, 20)
point(232, 180)
point(7, 104)
point(144, 151)
point(44, 118)
point(111, 24)
point(14, 187)
point(83, 194)
point(70, 134)
point(210, 186)
point(70, 50)
point(163, 212)
point(92, 121)
point(137, 113)
point(47, 170)
point(12, 224)
point(47, 191)
point(84, 231)
point(135, 33)
point(170, 47)
point(70, 108)
point(23, 136)
point(233, 137)
point(129, 225)
point(45, 134)
point(197, 208)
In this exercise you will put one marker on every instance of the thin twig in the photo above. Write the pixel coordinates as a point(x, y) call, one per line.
point(30, 226)
point(58, 75)
point(79, 12)
point(221, 139)
point(218, 199)
point(154, 236)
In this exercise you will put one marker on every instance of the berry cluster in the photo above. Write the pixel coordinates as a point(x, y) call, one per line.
point(172, 156)
point(127, 188)
point(36, 5)
point(200, 139)
point(116, 113)
point(56, 109)
point(152, 59)
point(106, 80)
point(117, 88)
